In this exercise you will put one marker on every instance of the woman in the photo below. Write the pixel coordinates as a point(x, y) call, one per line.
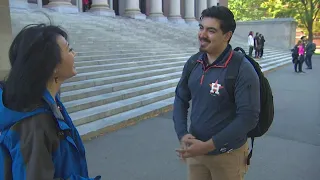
point(38, 140)
point(298, 56)
point(250, 43)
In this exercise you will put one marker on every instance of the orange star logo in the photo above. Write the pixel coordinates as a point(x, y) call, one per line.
point(215, 87)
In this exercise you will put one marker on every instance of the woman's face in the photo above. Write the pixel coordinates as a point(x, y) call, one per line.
point(66, 68)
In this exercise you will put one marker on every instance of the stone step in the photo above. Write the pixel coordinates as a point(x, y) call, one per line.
point(132, 53)
point(103, 41)
point(100, 112)
point(126, 51)
point(267, 57)
point(106, 73)
point(128, 65)
point(98, 100)
point(264, 65)
point(101, 60)
point(111, 48)
point(108, 124)
point(85, 66)
point(122, 120)
point(71, 86)
point(127, 69)
point(133, 48)
point(117, 86)
point(275, 66)
point(101, 81)
point(276, 62)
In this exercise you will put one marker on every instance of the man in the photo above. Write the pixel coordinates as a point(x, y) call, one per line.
point(215, 147)
point(310, 49)
point(257, 45)
point(262, 41)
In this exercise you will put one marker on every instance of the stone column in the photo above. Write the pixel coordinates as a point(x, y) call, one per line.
point(5, 38)
point(201, 5)
point(189, 12)
point(64, 6)
point(174, 12)
point(21, 4)
point(212, 3)
point(223, 3)
point(101, 7)
point(39, 3)
point(110, 4)
point(132, 10)
point(156, 11)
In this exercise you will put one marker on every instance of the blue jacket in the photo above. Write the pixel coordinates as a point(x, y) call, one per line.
point(42, 144)
point(213, 115)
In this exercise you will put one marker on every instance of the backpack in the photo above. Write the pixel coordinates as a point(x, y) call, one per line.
point(266, 98)
point(5, 156)
point(294, 51)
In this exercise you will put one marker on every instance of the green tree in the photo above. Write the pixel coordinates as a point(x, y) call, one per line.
point(307, 13)
point(304, 11)
point(246, 10)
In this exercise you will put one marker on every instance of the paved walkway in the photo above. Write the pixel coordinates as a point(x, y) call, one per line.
point(290, 150)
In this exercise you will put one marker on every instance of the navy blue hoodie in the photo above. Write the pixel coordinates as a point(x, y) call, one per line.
point(213, 115)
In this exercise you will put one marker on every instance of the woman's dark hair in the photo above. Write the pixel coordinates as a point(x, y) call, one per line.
point(225, 16)
point(33, 55)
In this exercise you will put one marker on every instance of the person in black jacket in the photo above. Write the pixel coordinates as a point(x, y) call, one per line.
point(310, 49)
point(262, 41)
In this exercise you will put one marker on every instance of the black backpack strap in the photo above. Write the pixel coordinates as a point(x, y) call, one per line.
point(1, 84)
point(231, 77)
point(232, 73)
point(251, 151)
point(191, 64)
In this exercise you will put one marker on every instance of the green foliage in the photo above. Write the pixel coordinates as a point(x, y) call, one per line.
point(245, 10)
point(304, 11)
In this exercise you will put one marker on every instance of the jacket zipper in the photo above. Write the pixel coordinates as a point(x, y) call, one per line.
point(204, 72)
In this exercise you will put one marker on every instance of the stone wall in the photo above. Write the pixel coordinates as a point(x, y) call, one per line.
point(5, 37)
point(279, 33)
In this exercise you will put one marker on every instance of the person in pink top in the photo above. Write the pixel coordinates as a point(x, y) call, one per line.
point(85, 5)
point(298, 61)
point(301, 50)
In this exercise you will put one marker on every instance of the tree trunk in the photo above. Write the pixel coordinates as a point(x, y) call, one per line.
point(310, 33)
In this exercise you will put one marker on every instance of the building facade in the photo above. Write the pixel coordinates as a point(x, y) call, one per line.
point(180, 11)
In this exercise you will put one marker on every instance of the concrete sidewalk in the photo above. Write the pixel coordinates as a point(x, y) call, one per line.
point(289, 151)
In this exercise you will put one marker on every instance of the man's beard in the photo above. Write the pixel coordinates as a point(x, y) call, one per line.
point(202, 49)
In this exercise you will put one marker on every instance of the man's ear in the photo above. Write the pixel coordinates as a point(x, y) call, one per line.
point(227, 36)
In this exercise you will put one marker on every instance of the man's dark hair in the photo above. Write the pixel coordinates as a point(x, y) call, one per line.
point(33, 54)
point(225, 16)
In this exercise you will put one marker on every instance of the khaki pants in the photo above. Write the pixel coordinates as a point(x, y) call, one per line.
point(227, 166)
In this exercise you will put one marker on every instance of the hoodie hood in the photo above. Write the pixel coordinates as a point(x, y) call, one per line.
point(9, 117)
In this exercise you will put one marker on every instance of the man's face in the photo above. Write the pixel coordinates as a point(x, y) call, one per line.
point(211, 37)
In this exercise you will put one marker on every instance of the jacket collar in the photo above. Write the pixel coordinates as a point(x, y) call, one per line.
point(221, 62)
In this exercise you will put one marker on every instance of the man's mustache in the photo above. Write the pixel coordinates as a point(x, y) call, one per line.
point(205, 40)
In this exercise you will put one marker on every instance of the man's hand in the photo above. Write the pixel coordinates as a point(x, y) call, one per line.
point(196, 148)
point(183, 145)
point(184, 138)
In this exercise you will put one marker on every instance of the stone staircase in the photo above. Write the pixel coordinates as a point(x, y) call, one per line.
point(127, 69)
